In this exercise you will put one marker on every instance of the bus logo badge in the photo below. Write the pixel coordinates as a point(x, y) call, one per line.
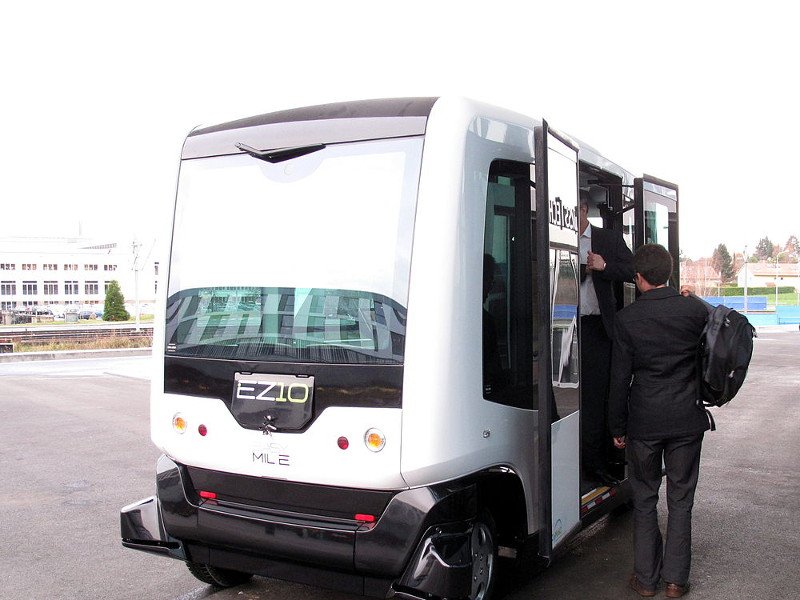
point(271, 402)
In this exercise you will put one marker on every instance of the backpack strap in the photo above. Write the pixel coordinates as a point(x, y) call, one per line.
point(711, 421)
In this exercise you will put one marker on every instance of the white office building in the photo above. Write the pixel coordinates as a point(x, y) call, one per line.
point(74, 272)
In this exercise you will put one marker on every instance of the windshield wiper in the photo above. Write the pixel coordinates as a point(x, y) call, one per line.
point(279, 154)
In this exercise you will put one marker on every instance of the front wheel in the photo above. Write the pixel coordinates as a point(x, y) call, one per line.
point(483, 547)
point(217, 577)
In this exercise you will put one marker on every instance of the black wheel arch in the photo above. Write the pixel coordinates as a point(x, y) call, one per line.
point(500, 491)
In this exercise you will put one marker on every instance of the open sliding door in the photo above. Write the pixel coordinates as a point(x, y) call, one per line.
point(656, 210)
point(558, 371)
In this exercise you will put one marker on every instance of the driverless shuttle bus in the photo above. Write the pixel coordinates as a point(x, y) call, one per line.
point(368, 363)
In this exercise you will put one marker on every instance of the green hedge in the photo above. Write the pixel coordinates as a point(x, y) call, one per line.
point(755, 291)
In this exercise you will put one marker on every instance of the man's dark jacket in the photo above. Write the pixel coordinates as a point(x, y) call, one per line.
point(654, 369)
point(619, 267)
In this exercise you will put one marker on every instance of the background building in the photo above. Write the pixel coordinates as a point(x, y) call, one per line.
point(74, 272)
point(768, 274)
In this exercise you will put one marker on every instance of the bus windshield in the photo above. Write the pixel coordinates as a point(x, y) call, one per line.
point(304, 260)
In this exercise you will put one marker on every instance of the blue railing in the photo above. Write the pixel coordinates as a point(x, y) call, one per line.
point(737, 302)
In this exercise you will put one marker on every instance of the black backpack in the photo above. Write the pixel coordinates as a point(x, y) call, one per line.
point(726, 347)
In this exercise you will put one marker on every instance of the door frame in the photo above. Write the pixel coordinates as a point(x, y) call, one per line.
point(544, 321)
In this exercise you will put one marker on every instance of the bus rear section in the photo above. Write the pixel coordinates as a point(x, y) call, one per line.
point(278, 400)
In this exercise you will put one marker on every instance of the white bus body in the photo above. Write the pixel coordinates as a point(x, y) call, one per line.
point(345, 395)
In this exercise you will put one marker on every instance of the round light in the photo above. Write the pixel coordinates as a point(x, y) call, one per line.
point(179, 423)
point(343, 443)
point(202, 430)
point(374, 440)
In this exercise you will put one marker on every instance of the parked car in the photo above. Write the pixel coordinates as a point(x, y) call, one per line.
point(90, 314)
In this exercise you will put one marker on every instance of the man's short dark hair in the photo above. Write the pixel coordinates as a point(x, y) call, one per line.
point(654, 263)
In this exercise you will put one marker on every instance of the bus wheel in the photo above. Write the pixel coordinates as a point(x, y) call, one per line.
point(484, 556)
point(218, 577)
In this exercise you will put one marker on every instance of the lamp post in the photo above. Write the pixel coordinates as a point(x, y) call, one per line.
point(136, 247)
point(745, 278)
point(776, 285)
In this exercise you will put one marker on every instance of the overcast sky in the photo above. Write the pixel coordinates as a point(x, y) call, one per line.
point(97, 98)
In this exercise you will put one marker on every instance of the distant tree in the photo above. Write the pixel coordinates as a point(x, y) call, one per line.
point(764, 249)
point(792, 247)
point(114, 309)
point(722, 263)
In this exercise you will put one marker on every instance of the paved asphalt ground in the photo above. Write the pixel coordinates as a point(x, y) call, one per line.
point(75, 448)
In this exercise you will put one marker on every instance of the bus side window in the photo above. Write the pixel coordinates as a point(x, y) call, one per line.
point(507, 287)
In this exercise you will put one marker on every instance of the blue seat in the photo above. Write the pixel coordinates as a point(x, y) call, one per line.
point(788, 315)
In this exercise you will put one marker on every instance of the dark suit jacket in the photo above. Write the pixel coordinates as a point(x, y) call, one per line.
point(654, 370)
point(619, 267)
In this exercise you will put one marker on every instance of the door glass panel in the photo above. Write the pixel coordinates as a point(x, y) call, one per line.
point(661, 220)
point(508, 287)
point(628, 226)
point(562, 185)
point(565, 319)
point(656, 223)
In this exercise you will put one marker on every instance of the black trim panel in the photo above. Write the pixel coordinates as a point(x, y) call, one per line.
point(325, 124)
point(358, 109)
point(327, 501)
point(364, 386)
point(320, 577)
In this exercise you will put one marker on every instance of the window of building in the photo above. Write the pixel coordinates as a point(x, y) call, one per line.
point(8, 267)
point(509, 296)
point(30, 288)
point(71, 288)
point(50, 288)
point(71, 267)
point(8, 288)
point(28, 267)
point(155, 268)
point(9, 305)
point(90, 267)
point(109, 267)
point(49, 267)
point(91, 288)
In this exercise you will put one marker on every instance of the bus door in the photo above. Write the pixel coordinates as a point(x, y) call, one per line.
point(556, 176)
point(656, 218)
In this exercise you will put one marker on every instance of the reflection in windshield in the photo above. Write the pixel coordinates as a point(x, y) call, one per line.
point(299, 325)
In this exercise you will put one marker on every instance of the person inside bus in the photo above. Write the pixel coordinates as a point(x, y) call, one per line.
point(604, 259)
point(653, 412)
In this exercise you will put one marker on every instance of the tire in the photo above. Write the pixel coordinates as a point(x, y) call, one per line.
point(483, 547)
point(222, 578)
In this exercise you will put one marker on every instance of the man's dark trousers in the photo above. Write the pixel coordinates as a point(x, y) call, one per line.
point(682, 460)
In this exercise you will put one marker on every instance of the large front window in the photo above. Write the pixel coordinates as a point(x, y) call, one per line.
point(304, 260)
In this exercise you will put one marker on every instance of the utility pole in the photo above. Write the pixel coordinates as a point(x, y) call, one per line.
point(745, 278)
point(776, 285)
point(136, 246)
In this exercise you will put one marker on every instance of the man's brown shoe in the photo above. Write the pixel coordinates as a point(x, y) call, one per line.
point(674, 590)
point(638, 587)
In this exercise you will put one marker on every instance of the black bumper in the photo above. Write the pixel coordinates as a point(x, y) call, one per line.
point(416, 545)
